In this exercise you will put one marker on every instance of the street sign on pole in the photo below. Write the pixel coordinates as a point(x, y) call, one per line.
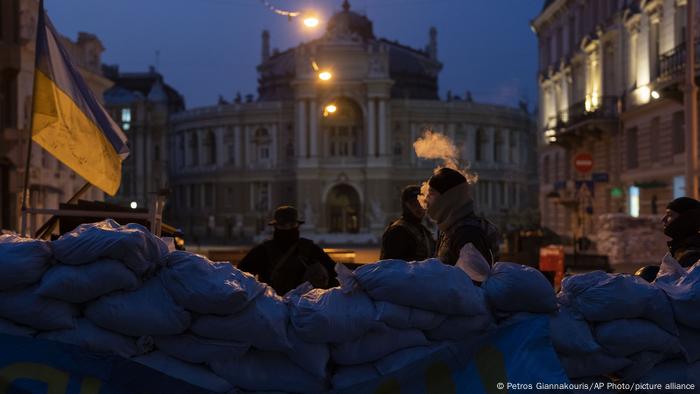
point(583, 162)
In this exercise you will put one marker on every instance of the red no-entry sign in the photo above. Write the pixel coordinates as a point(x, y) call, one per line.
point(583, 162)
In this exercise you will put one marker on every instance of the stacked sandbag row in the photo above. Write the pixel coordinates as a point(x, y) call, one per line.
point(398, 312)
point(621, 326)
point(117, 289)
point(100, 287)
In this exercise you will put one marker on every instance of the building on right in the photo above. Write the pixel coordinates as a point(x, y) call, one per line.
point(611, 121)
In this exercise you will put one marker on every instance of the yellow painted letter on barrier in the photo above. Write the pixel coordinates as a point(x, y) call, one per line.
point(492, 369)
point(55, 379)
point(438, 379)
point(391, 386)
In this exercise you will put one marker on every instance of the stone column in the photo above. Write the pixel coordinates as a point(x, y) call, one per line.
point(371, 131)
point(238, 146)
point(248, 161)
point(220, 146)
point(382, 128)
point(301, 129)
point(313, 128)
point(274, 143)
point(414, 134)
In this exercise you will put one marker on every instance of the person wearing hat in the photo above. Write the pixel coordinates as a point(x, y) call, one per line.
point(450, 204)
point(682, 224)
point(407, 238)
point(287, 260)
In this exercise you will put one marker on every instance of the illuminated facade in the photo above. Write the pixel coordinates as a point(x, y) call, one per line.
point(232, 164)
point(610, 78)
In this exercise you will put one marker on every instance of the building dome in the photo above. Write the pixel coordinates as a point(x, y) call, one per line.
point(347, 21)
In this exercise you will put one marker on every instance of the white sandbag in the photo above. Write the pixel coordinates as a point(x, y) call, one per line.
point(194, 349)
point(378, 342)
point(684, 293)
point(404, 357)
point(455, 328)
point(263, 324)
point(268, 371)
point(321, 316)
point(600, 297)
point(89, 336)
point(79, 284)
point(518, 288)
point(473, 263)
point(312, 357)
point(147, 311)
point(642, 363)
point(205, 287)
point(629, 336)
point(592, 364)
point(9, 328)
point(133, 244)
point(428, 284)
point(25, 307)
point(22, 261)
point(404, 317)
point(571, 334)
point(681, 374)
point(690, 343)
point(190, 373)
point(348, 376)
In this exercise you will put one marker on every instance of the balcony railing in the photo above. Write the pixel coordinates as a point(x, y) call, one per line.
point(606, 108)
point(672, 63)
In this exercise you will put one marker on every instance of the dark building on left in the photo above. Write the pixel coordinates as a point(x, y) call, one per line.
point(141, 103)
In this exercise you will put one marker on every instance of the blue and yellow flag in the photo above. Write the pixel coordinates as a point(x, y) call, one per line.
point(67, 119)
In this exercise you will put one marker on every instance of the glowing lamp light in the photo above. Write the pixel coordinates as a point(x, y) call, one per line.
point(325, 76)
point(655, 95)
point(311, 21)
point(134, 205)
point(330, 109)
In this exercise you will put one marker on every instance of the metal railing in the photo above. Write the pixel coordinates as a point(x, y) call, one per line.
point(606, 108)
point(672, 63)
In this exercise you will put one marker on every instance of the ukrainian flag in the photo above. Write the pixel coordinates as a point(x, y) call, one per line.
point(67, 119)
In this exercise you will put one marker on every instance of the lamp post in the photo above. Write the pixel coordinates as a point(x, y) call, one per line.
point(691, 105)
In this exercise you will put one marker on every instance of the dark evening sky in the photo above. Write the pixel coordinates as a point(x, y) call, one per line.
point(211, 47)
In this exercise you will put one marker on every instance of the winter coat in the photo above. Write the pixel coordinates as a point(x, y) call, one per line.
point(407, 239)
point(265, 261)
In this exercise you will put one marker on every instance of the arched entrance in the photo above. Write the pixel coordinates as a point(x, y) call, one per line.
point(343, 207)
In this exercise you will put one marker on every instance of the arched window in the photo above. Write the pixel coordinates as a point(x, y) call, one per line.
point(343, 129)
point(480, 144)
point(498, 146)
point(194, 148)
point(262, 141)
point(210, 148)
point(398, 149)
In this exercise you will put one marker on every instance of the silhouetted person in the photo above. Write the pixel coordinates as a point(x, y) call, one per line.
point(406, 238)
point(287, 260)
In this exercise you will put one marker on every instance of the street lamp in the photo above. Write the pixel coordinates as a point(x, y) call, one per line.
point(325, 75)
point(655, 95)
point(134, 205)
point(311, 21)
point(330, 109)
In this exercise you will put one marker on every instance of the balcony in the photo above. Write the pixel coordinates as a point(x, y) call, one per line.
point(672, 65)
point(586, 118)
point(604, 109)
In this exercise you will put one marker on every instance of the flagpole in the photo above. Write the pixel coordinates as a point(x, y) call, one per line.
point(25, 190)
